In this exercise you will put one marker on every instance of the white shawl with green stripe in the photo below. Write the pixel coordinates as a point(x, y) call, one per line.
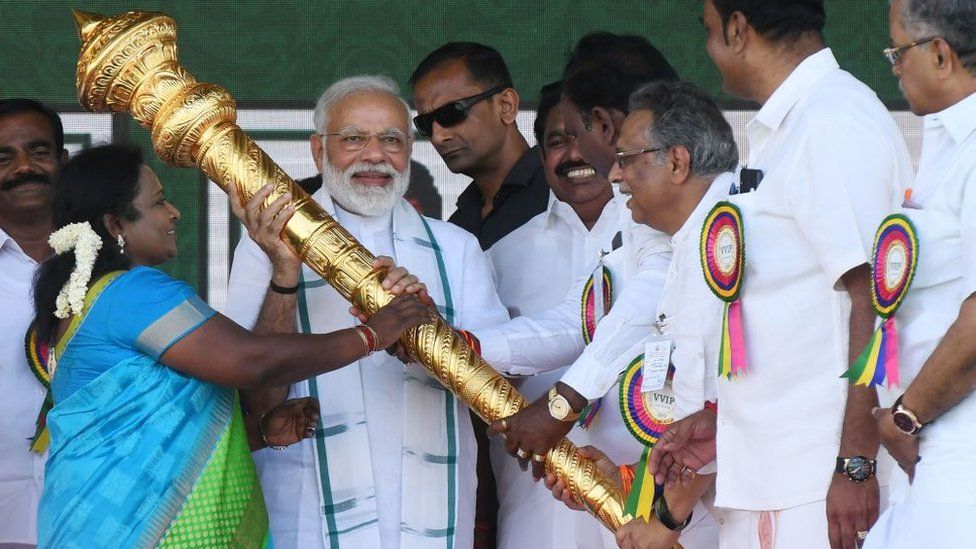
point(438, 460)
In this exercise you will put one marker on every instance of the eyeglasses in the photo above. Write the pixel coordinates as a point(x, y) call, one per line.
point(390, 141)
point(453, 113)
point(894, 53)
point(624, 157)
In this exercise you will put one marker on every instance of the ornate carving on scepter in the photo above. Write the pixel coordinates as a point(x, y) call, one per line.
point(128, 63)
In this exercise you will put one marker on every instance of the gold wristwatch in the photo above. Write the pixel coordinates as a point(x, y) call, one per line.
point(559, 407)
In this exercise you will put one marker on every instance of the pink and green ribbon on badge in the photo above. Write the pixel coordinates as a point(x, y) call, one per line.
point(893, 265)
point(646, 427)
point(722, 250)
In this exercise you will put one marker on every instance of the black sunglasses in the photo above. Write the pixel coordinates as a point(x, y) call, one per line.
point(453, 113)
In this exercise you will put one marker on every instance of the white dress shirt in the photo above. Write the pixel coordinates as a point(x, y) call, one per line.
point(942, 209)
point(535, 266)
point(21, 396)
point(833, 163)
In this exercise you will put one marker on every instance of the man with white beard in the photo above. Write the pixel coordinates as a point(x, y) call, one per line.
point(392, 463)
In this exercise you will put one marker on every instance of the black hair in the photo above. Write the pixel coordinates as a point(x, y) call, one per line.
point(777, 20)
point(18, 105)
point(484, 63)
point(601, 85)
point(605, 68)
point(549, 97)
point(632, 53)
point(97, 181)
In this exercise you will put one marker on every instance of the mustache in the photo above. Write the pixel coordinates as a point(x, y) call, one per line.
point(25, 179)
point(565, 167)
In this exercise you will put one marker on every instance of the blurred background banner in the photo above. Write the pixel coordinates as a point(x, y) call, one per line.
point(275, 58)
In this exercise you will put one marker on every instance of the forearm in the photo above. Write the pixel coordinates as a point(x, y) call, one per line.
point(278, 311)
point(859, 434)
point(282, 359)
point(949, 375)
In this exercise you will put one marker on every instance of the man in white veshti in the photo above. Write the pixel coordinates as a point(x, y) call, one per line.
point(393, 460)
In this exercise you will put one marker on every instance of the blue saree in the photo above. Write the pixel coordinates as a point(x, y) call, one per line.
point(142, 455)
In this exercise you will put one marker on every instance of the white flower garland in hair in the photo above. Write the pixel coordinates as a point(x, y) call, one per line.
point(86, 243)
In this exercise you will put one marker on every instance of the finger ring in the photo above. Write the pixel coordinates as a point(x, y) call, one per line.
point(687, 469)
point(522, 454)
point(539, 458)
point(861, 534)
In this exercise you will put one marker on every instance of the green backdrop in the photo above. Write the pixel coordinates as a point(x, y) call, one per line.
point(273, 54)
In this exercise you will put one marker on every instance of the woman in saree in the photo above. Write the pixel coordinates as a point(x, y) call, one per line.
point(148, 442)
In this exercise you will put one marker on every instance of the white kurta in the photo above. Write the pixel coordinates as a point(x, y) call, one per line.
point(291, 479)
point(21, 396)
point(833, 162)
point(535, 266)
point(937, 509)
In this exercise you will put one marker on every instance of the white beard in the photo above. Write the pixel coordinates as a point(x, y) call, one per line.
point(365, 200)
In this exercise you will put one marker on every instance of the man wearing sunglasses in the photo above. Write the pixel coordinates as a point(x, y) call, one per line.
point(467, 106)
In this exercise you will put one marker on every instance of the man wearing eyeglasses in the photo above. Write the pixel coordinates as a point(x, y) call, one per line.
point(929, 430)
point(832, 163)
point(393, 460)
point(467, 105)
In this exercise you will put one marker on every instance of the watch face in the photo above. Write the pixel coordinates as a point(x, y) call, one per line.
point(904, 423)
point(559, 408)
point(859, 468)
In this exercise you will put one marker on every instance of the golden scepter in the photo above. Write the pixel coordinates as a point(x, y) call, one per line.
point(128, 63)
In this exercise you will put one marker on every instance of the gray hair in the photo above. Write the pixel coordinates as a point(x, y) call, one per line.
point(351, 86)
point(953, 20)
point(686, 116)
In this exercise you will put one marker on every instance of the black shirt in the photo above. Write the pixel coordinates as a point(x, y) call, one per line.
point(523, 195)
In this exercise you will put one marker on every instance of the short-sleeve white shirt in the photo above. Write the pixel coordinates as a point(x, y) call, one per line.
point(21, 396)
point(942, 208)
point(833, 163)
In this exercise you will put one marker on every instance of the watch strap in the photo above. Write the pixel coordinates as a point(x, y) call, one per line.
point(841, 467)
point(663, 515)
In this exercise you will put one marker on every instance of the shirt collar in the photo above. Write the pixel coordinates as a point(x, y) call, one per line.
point(718, 190)
point(7, 240)
point(959, 120)
point(522, 172)
point(521, 175)
point(795, 87)
point(559, 210)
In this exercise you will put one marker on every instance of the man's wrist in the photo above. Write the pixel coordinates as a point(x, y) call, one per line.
point(664, 515)
point(576, 401)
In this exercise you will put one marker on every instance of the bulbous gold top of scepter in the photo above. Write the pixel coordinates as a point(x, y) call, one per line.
point(128, 63)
